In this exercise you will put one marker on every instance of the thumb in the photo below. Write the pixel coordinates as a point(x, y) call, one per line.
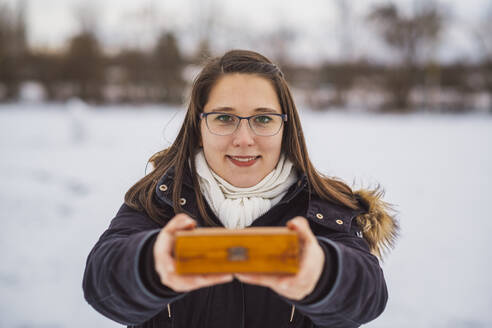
point(300, 225)
point(180, 222)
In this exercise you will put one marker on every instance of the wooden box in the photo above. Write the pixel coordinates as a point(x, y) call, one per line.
point(251, 250)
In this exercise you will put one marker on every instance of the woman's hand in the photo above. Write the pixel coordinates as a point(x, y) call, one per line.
point(311, 266)
point(164, 261)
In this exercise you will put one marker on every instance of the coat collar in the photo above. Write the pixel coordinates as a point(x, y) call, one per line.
point(319, 211)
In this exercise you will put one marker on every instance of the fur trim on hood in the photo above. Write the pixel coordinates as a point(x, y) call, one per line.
point(378, 223)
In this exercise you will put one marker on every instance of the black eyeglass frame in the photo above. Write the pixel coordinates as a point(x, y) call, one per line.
point(248, 118)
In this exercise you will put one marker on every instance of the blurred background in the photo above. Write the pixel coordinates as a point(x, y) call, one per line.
point(397, 93)
point(411, 55)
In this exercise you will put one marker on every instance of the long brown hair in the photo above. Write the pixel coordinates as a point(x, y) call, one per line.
point(141, 196)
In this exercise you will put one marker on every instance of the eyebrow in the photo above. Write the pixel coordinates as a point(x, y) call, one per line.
point(257, 110)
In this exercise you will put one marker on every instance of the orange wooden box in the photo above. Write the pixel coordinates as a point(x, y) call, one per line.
point(252, 250)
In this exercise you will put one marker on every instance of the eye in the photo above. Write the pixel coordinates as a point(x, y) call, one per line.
point(263, 119)
point(224, 118)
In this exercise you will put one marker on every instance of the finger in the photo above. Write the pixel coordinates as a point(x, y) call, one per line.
point(300, 225)
point(203, 278)
point(166, 264)
point(163, 259)
point(180, 222)
point(310, 266)
point(163, 249)
point(282, 285)
point(259, 279)
point(208, 280)
point(198, 281)
point(309, 246)
point(311, 257)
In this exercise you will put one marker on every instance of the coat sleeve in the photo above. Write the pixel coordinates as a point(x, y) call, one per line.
point(113, 281)
point(356, 291)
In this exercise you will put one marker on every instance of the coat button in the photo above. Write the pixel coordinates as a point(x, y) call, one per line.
point(162, 187)
point(339, 221)
point(182, 201)
point(319, 216)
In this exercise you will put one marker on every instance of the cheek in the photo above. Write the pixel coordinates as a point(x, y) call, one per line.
point(275, 145)
point(213, 145)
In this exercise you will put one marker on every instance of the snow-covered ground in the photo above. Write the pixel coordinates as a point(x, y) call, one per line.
point(64, 171)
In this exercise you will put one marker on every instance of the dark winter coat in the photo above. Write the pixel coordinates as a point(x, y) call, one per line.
point(120, 281)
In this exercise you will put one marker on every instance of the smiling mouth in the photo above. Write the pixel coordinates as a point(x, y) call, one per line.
point(243, 160)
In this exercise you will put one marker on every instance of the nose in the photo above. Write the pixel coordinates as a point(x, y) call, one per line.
point(243, 136)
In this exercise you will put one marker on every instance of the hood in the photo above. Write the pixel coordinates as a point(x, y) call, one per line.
point(378, 223)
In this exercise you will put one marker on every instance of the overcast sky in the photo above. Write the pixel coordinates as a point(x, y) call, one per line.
point(317, 24)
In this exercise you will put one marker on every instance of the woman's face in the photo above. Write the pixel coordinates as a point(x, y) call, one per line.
point(227, 156)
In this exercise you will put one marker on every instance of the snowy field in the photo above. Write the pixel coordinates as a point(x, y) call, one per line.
point(64, 172)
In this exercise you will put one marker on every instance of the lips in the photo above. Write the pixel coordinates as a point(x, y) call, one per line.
point(243, 160)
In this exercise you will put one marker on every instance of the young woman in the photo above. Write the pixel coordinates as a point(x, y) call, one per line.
point(240, 160)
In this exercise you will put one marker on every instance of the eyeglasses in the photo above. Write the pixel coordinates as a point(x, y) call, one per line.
point(224, 124)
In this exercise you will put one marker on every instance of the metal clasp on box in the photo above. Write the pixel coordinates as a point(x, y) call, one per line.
point(237, 254)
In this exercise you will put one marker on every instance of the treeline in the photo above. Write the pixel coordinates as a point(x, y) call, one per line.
point(415, 79)
point(85, 71)
point(132, 75)
point(455, 87)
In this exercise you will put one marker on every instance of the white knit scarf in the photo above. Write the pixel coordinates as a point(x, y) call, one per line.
point(238, 207)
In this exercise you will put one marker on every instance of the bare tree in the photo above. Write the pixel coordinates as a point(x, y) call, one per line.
point(84, 67)
point(340, 75)
point(345, 30)
point(280, 41)
point(13, 48)
point(410, 36)
point(483, 34)
point(205, 19)
point(87, 16)
point(84, 63)
point(168, 63)
point(47, 69)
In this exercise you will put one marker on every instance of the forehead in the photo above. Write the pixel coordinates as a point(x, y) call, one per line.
point(243, 93)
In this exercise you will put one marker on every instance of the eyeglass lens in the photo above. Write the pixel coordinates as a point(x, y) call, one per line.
point(263, 124)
